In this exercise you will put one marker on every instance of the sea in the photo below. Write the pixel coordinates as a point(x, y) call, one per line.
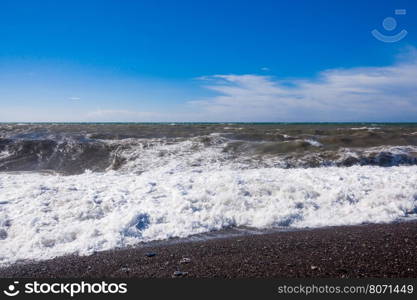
point(79, 188)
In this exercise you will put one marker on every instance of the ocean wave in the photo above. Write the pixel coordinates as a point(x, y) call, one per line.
point(313, 142)
point(365, 128)
point(68, 156)
point(81, 188)
point(71, 155)
point(43, 216)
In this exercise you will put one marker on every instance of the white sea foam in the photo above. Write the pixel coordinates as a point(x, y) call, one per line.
point(143, 155)
point(4, 154)
point(43, 216)
point(313, 142)
point(365, 128)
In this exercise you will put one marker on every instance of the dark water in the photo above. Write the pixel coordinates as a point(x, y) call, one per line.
point(73, 148)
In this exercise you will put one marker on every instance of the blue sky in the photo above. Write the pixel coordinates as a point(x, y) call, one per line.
point(206, 61)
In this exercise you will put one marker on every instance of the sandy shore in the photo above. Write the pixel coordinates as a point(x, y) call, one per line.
point(386, 250)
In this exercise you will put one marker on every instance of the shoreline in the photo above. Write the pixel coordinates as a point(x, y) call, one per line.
point(374, 250)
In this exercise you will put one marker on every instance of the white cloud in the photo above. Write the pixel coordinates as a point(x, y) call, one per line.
point(386, 93)
point(74, 98)
point(124, 115)
point(357, 94)
point(101, 114)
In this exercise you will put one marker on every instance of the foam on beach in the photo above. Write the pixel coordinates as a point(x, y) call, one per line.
point(43, 216)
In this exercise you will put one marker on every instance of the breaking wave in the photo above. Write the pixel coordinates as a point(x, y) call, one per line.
point(43, 216)
point(68, 189)
point(69, 156)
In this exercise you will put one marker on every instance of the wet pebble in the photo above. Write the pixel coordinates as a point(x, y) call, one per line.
point(185, 260)
point(179, 274)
